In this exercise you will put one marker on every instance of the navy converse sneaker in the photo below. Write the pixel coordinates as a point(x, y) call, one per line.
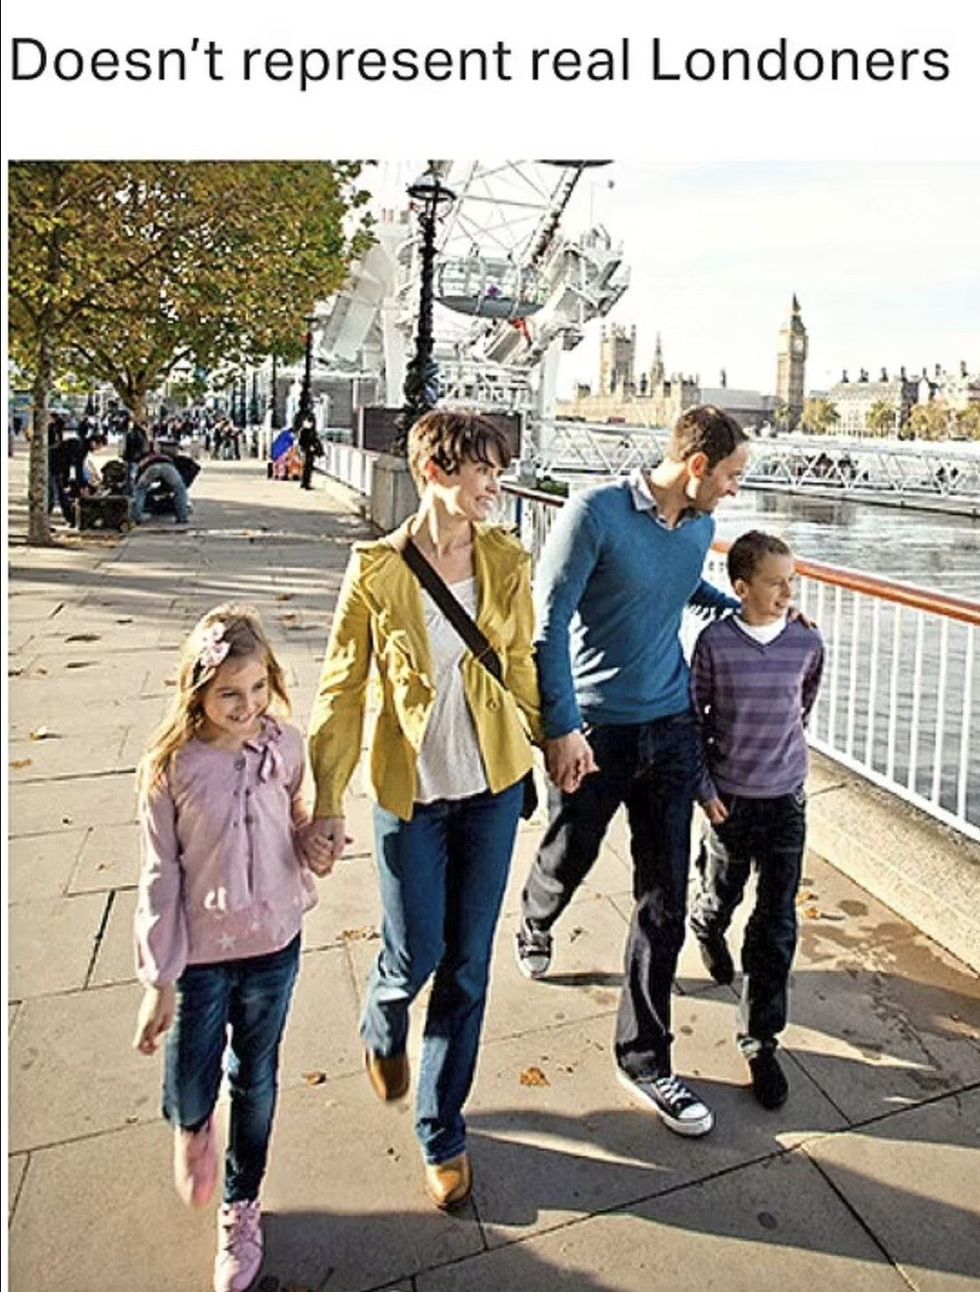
point(679, 1108)
point(533, 951)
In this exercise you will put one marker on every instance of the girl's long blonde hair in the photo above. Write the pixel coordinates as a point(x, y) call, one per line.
point(239, 628)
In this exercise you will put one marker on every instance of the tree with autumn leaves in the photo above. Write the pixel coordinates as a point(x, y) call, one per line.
point(119, 271)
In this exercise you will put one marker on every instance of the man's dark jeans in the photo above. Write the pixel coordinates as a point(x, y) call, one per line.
point(771, 833)
point(652, 767)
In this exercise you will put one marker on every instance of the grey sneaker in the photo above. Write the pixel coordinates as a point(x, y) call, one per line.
point(679, 1108)
point(533, 951)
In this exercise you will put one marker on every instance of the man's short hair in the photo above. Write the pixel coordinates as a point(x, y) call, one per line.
point(705, 429)
point(746, 553)
point(449, 438)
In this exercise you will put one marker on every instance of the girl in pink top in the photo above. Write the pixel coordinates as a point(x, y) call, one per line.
point(223, 889)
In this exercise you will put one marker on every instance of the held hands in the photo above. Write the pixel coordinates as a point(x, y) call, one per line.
point(715, 811)
point(321, 843)
point(569, 759)
point(156, 1014)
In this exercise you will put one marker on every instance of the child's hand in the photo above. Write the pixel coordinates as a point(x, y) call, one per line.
point(321, 843)
point(715, 811)
point(157, 1010)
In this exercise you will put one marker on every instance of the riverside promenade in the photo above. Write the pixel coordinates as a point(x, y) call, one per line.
point(868, 1180)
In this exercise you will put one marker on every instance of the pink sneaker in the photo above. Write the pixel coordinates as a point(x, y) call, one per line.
point(239, 1246)
point(196, 1164)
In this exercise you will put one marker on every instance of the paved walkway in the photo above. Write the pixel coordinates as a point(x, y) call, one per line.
point(866, 1180)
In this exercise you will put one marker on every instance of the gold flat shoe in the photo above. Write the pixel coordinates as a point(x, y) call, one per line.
point(389, 1077)
point(450, 1183)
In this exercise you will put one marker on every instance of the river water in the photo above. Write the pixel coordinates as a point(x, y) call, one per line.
point(937, 552)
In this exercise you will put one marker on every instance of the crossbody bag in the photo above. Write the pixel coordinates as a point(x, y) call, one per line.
point(473, 638)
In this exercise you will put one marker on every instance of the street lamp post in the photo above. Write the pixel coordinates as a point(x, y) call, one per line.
point(254, 416)
point(420, 391)
point(275, 422)
point(306, 390)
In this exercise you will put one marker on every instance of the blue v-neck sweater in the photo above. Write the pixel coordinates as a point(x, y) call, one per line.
point(611, 586)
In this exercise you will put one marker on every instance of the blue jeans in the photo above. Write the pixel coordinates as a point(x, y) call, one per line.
point(443, 876)
point(250, 1000)
point(652, 767)
point(771, 833)
point(168, 475)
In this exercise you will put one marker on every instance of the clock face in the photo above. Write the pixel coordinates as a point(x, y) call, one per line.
point(798, 344)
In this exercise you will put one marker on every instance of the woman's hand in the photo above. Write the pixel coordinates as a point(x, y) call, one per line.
point(321, 843)
point(157, 1010)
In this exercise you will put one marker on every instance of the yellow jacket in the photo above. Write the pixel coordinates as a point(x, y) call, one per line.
point(379, 615)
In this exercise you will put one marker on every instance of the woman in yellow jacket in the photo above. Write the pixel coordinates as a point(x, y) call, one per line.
point(450, 749)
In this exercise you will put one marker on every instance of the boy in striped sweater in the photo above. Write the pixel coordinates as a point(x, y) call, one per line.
point(754, 678)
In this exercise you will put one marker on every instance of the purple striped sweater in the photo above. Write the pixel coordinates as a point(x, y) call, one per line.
point(754, 701)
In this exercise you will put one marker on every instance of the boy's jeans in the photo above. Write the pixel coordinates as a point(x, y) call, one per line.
point(251, 999)
point(652, 767)
point(771, 833)
point(443, 876)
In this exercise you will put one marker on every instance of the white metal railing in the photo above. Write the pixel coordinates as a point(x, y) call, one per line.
point(899, 703)
point(348, 464)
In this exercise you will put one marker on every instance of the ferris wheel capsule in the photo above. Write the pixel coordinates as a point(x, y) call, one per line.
point(489, 287)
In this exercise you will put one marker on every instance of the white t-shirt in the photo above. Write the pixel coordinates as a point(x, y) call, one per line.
point(450, 765)
point(764, 633)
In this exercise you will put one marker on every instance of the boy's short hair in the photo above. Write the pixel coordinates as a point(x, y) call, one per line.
point(705, 429)
point(746, 553)
point(449, 438)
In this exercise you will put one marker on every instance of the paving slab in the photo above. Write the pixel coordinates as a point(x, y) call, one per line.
point(349, 904)
point(108, 858)
point(73, 1071)
point(555, 1136)
point(321, 1036)
point(51, 944)
point(40, 867)
point(344, 1201)
point(914, 1178)
point(41, 808)
point(770, 1225)
point(120, 1225)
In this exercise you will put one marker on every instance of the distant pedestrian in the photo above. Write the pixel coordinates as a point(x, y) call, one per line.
point(222, 892)
point(136, 445)
point(309, 445)
point(754, 679)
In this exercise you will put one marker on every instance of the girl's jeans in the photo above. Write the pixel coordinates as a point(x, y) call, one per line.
point(243, 1003)
point(443, 876)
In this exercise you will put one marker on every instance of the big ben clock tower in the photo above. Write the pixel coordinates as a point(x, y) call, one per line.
point(791, 364)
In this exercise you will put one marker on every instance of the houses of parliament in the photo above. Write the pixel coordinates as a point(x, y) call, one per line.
point(657, 398)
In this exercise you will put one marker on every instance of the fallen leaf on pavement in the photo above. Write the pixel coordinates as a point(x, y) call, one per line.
point(83, 637)
point(811, 912)
point(19, 763)
point(314, 1078)
point(40, 733)
point(360, 935)
point(284, 596)
point(534, 1077)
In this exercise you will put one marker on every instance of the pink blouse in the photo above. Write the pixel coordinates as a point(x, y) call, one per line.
point(221, 879)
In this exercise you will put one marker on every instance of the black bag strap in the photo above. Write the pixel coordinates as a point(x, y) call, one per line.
point(435, 585)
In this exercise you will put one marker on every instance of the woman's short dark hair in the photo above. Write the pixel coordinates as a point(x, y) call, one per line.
point(449, 438)
point(705, 429)
point(746, 553)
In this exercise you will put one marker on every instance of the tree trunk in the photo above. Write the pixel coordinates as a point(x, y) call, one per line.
point(38, 518)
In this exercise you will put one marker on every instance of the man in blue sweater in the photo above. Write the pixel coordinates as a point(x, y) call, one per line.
point(620, 565)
